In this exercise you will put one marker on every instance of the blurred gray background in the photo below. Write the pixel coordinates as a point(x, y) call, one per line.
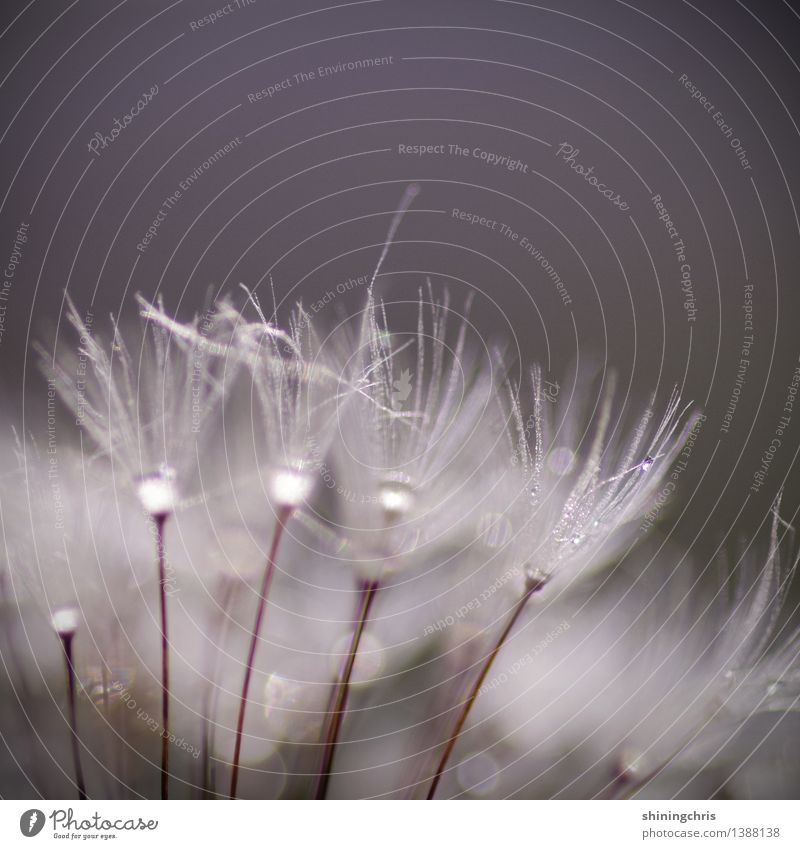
point(275, 139)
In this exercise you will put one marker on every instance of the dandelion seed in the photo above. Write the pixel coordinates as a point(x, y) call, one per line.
point(396, 497)
point(290, 487)
point(65, 621)
point(157, 493)
point(535, 579)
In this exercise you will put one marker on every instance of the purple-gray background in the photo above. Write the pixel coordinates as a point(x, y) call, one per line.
point(307, 193)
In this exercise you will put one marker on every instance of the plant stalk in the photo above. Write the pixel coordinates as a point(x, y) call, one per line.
point(66, 642)
point(338, 706)
point(269, 571)
point(473, 694)
point(160, 521)
point(211, 690)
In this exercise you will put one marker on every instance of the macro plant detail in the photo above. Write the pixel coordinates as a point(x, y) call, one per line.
point(410, 468)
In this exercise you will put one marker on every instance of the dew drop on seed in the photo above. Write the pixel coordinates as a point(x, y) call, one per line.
point(627, 765)
point(157, 493)
point(65, 620)
point(395, 496)
point(289, 487)
point(561, 460)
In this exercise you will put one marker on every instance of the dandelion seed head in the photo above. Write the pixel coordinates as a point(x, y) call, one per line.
point(535, 578)
point(157, 492)
point(65, 621)
point(585, 495)
point(290, 487)
point(395, 496)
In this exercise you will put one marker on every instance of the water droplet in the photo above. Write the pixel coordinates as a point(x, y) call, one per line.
point(646, 464)
point(627, 765)
point(395, 496)
point(65, 620)
point(289, 487)
point(561, 460)
point(157, 493)
point(577, 539)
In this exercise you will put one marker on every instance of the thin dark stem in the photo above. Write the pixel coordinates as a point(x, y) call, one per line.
point(211, 690)
point(66, 642)
point(269, 571)
point(473, 694)
point(104, 684)
point(162, 596)
point(634, 785)
point(338, 706)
